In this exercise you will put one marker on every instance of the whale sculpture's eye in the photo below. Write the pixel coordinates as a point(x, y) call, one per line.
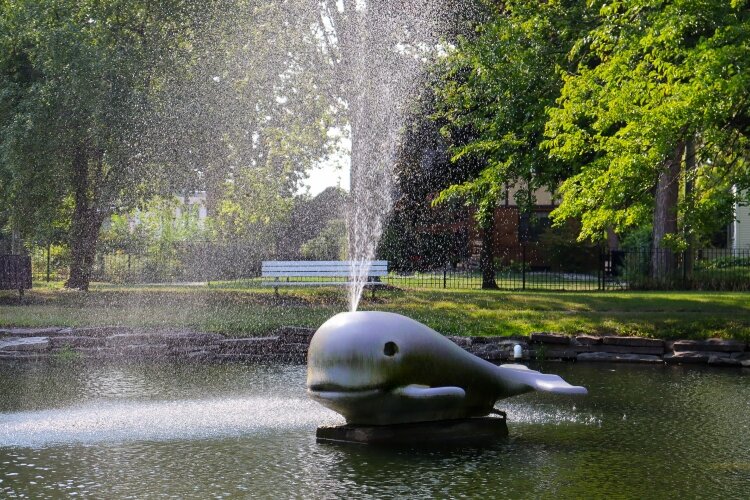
point(390, 348)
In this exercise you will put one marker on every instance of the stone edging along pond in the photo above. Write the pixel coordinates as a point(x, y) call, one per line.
point(289, 344)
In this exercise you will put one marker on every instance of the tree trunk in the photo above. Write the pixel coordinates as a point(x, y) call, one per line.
point(690, 204)
point(613, 242)
point(665, 215)
point(85, 225)
point(487, 255)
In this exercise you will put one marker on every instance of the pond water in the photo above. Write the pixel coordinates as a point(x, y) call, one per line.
point(201, 431)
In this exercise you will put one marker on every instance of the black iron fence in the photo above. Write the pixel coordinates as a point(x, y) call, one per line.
point(15, 272)
point(701, 269)
point(525, 267)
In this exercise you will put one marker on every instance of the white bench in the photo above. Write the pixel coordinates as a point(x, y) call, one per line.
point(320, 272)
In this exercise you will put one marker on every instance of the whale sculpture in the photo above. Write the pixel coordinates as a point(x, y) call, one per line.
point(379, 368)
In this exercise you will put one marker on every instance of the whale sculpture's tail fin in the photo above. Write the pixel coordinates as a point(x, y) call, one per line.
point(522, 377)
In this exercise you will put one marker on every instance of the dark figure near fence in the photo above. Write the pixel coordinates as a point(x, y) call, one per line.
point(15, 273)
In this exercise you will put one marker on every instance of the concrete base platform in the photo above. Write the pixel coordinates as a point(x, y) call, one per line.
point(481, 430)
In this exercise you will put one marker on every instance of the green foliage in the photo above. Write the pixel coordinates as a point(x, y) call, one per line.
point(160, 223)
point(417, 235)
point(609, 91)
point(329, 244)
point(496, 88)
point(725, 263)
point(562, 251)
point(648, 77)
point(409, 248)
point(104, 104)
point(637, 238)
point(80, 75)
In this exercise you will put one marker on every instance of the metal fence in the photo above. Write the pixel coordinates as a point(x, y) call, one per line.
point(526, 267)
point(15, 272)
point(702, 269)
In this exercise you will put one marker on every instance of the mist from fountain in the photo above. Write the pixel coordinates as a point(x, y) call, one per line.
point(273, 87)
point(383, 54)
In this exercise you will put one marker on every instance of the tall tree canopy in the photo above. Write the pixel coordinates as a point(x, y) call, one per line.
point(493, 96)
point(105, 103)
point(76, 78)
point(657, 101)
point(637, 109)
point(496, 88)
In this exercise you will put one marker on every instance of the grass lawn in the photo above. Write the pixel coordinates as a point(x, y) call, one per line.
point(475, 312)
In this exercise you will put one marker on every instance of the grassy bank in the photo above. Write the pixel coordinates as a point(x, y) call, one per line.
point(238, 312)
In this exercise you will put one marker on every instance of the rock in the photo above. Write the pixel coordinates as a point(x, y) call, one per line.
point(76, 341)
point(745, 363)
point(460, 341)
point(691, 356)
point(191, 339)
point(29, 332)
point(633, 342)
point(586, 340)
point(200, 355)
point(554, 353)
point(481, 340)
point(23, 356)
point(716, 345)
point(509, 344)
point(723, 361)
point(490, 352)
point(253, 358)
point(741, 356)
point(295, 334)
point(295, 348)
point(550, 338)
point(623, 349)
point(253, 345)
point(27, 344)
point(616, 357)
point(187, 352)
point(125, 339)
point(105, 331)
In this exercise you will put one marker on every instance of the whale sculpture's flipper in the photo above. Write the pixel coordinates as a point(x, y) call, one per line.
point(520, 374)
point(424, 392)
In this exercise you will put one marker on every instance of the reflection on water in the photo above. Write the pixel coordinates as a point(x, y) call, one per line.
point(178, 431)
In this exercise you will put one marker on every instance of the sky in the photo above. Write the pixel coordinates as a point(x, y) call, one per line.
point(333, 171)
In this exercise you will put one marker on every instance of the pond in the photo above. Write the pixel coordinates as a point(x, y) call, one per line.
point(204, 431)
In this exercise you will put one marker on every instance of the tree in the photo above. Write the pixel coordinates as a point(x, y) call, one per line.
point(109, 103)
point(418, 235)
point(329, 244)
point(493, 95)
point(254, 99)
point(77, 80)
point(650, 78)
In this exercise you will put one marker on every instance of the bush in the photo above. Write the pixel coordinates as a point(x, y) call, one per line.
point(725, 263)
point(330, 244)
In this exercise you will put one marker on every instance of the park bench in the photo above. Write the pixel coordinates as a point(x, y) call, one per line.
point(320, 272)
point(15, 273)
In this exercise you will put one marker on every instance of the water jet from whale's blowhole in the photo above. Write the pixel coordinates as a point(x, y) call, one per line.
point(390, 41)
